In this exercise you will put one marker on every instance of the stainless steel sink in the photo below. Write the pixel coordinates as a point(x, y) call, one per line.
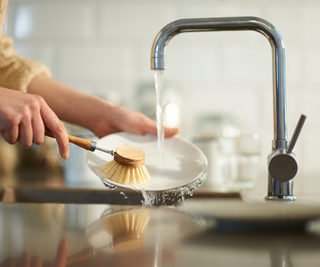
point(91, 196)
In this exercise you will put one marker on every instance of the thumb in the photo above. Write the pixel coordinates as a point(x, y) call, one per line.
point(169, 132)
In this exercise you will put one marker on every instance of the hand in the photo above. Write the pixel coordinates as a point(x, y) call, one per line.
point(119, 119)
point(22, 119)
point(25, 261)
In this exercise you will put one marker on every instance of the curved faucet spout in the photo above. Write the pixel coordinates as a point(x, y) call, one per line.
point(237, 24)
point(277, 188)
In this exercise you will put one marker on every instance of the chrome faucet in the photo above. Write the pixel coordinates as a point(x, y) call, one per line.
point(282, 164)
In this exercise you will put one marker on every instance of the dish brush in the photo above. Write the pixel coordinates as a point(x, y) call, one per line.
point(126, 229)
point(127, 166)
point(127, 172)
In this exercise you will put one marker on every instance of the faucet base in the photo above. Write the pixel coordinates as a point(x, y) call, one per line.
point(290, 198)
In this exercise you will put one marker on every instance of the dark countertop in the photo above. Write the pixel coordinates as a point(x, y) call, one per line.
point(115, 235)
point(85, 234)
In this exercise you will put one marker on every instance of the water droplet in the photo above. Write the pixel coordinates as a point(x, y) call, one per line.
point(123, 194)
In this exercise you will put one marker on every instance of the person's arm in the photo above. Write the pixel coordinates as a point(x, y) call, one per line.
point(96, 114)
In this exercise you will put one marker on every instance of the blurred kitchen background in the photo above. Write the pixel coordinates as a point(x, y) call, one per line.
point(103, 47)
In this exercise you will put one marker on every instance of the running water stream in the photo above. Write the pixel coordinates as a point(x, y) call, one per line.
point(158, 77)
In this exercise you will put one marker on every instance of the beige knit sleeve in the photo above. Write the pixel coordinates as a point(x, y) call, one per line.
point(17, 72)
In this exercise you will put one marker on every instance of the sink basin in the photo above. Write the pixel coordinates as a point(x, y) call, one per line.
point(91, 196)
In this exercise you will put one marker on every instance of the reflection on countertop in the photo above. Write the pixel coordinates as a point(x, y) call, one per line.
point(94, 235)
point(115, 235)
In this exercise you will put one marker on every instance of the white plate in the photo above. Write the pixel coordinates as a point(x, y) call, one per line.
point(182, 163)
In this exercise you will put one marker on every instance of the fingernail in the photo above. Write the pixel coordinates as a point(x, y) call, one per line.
point(66, 155)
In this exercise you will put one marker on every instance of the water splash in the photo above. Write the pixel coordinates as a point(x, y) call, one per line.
point(108, 185)
point(172, 197)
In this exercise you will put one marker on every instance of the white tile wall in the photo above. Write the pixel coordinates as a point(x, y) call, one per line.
point(34, 21)
point(102, 46)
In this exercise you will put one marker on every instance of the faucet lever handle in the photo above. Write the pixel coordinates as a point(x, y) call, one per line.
point(282, 163)
point(296, 133)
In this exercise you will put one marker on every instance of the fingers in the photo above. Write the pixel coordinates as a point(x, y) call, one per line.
point(20, 118)
point(9, 262)
point(150, 126)
point(122, 119)
point(36, 261)
point(38, 129)
point(23, 261)
point(9, 128)
point(25, 133)
point(11, 136)
point(30, 130)
point(61, 137)
point(169, 132)
point(62, 254)
point(57, 129)
point(62, 140)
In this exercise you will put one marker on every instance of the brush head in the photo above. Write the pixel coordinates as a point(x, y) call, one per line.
point(127, 229)
point(126, 175)
point(136, 155)
point(127, 172)
point(127, 241)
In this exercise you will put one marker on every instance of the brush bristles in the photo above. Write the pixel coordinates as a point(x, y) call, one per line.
point(126, 175)
point(126, 229)
point(129, 222)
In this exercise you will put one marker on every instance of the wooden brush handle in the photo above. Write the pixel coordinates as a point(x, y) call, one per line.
point(81, 142)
